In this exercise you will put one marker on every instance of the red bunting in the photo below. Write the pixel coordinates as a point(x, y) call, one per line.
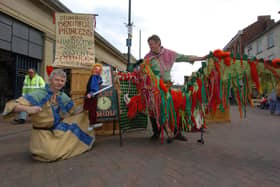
point(254, 74)
point(49, 70)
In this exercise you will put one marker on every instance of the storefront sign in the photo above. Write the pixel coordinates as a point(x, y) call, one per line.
point(74, 40)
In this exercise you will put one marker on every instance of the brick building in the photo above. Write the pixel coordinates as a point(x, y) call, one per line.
point(244, 36)
point(266, 44)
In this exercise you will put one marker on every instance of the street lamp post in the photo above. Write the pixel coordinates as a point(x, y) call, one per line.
point(129, 37)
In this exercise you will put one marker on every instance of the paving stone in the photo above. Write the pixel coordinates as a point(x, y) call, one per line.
point(243, 153)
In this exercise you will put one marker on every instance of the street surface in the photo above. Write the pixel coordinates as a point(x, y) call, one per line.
point(245, 152)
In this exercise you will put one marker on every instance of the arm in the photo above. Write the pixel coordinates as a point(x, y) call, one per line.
point(189, 58)
point(41, 82)
point(94, 85)
point(24, 90)
point(28, 109)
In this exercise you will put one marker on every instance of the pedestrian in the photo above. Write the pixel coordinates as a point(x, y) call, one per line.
point(90, 103)
point(32, 82)
point(59, 128)
point(166, 59)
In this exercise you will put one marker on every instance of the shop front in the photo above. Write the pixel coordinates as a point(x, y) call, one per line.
point(21, 47)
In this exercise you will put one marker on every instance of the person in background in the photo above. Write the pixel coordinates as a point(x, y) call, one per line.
point(166, 58)
point(32, 82)
point(90, 103)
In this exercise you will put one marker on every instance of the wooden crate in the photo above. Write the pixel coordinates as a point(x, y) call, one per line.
point(218, 117)
point(79, 79)
point(108, 128)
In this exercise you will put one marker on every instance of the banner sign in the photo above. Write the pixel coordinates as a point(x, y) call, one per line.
point(74, 40)
point(107, 103)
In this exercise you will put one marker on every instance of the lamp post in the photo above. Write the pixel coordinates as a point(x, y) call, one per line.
point(129, 37)
point(140, 44)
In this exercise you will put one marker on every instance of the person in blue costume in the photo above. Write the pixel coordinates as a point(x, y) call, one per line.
point(60, 130)
point(90, 103)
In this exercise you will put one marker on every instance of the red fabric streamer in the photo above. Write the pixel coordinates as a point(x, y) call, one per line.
point(227, 60)
point(199, 96)
point(135, 105)
point(132, 108)
point(49, 70)
point(276, 63)
point(254, 74)
point(218, 53)
point(177, 99)
point(193, 95)
point(273, 71)
point(178, 102)
point(226, 54)
point(162, 86)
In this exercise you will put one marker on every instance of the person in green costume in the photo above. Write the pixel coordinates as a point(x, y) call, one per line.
point(165, 59)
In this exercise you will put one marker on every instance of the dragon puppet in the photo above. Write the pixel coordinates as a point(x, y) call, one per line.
point(209, 89)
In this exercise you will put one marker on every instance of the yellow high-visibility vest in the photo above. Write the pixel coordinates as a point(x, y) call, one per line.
point(29, 85)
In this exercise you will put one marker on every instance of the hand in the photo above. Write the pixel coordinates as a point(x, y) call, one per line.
point(192, 58)
point(78, 110)
point(33, 109)
point(88, 95)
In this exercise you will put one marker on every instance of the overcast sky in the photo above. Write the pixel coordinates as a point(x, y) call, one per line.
point(193, 27)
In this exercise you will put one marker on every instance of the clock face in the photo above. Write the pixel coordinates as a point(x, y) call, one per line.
point(104, 103)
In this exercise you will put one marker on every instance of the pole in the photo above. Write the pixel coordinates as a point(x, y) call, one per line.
point(140, 44)
point(129, 37)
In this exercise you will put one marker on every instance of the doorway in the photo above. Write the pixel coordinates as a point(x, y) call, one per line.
point(7, 75)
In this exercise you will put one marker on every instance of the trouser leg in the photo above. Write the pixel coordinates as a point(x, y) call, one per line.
point(168, 130)
point(156, 130)
point(22, 115)
point(92, 111)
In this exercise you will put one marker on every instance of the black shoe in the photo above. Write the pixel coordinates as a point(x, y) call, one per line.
point(155, 137)
point(180, 137)
point(19, 121)
point(169, 140)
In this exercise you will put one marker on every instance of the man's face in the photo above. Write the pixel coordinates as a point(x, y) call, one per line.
point(31, 73)
point(154, 46)
point(57, 82)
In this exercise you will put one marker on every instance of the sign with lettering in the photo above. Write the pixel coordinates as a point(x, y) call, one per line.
point(107, 105)
point(74, 40)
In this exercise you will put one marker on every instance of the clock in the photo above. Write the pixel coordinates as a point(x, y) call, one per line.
point(104, 103)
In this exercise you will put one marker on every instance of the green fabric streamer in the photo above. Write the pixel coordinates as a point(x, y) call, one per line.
point(228, 88)
point(188, 110)
point(203, 93)
point(245, 93)
point(171, 110)
point(221, 107)
point(239, 90)
point(184, 122)
point(163, 115)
